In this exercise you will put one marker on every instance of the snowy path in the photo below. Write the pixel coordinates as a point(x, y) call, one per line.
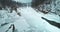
point(30, 18)
point(34, 19)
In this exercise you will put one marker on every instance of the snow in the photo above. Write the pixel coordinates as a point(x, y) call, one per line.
point(30, 20)
point(4, 28)
point(34, 19)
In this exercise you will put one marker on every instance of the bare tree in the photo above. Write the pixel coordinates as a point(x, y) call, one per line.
point(10, 4)
point(36, 3)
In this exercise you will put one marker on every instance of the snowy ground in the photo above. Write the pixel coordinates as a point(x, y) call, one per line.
point(29, 21)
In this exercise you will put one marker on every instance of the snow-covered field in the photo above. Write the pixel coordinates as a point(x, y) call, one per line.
point(29, 21)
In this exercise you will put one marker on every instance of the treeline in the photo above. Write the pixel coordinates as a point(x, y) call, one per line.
point(36, 3)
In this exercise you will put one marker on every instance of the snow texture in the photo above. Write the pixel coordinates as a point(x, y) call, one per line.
point(30, 20)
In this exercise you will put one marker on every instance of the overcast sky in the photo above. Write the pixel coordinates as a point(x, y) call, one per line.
point(24, 1)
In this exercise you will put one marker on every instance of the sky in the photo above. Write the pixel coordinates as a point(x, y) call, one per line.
point(24, 1)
